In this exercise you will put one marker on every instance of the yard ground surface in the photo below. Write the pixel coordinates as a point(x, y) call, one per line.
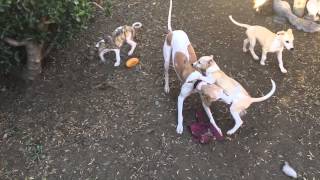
point(82, 119)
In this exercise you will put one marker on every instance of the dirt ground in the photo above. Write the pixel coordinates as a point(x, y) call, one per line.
point(83, 119)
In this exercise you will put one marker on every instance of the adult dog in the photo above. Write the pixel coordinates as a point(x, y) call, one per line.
point(177, 47)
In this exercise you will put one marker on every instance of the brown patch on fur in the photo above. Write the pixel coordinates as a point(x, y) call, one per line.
point(210, 93)
point(120, 35)
point(169, 38)
point(182, 66)
point(192, 54)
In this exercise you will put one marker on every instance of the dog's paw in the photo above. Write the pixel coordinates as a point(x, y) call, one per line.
point(179, 129)
point(116, 64)
point(284, 70)
point(103, 60)
point(230, 132)
point(166, 89)
point(255, 57)
point(262, 63)
point(245, 50)
point(130, 53)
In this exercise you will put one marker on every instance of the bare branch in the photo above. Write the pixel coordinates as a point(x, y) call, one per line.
point(96, 4)
point(15, 43)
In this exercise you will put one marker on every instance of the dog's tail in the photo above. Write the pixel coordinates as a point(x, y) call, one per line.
point(258, 4)
point(169, 17)
point(238, 24)
point(267, 95)
point(137, 25)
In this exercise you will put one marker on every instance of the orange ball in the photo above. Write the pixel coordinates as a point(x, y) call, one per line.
point(132, 62)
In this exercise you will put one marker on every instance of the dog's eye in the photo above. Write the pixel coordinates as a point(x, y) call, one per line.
point(287, 41)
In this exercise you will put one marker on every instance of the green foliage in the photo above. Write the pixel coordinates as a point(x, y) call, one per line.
point(41, 21)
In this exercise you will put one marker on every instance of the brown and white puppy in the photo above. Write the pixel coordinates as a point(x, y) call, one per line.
point(121, 35)
point(270, 42)
point(177, 47)
point(241, 99)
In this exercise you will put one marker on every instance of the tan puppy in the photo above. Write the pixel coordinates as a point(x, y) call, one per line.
point(270, 42)
point(211, 92)
point(241, 100)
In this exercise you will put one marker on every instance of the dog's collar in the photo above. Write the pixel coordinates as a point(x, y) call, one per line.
point(196, 83)
point(212, 69)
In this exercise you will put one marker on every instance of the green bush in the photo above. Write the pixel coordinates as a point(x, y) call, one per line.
point(45, 22)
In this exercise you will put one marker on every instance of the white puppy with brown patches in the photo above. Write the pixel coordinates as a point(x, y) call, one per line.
point(121, 35)
point(241, 100)
point(270, 42)
point(177, 47)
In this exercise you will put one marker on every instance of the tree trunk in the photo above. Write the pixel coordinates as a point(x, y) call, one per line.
point(34, 57)
point(298, 7)
point(33, 66)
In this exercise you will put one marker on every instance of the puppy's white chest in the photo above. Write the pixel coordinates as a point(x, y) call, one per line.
point(275, 46)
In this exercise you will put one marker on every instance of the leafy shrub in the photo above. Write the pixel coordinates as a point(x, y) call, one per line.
point(45, 22)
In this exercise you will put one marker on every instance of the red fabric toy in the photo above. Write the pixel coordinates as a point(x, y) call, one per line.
point(202, 130)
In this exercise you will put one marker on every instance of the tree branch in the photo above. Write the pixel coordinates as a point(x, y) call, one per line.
point(96, 4)
point(15, 43)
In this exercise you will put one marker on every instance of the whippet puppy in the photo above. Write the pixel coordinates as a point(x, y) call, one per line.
point(270, 42)
point(240, 98)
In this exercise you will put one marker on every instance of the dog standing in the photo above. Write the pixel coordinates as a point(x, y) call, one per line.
point(121, 35)
point(270, 42)
point(241, 100)
point(177, 47)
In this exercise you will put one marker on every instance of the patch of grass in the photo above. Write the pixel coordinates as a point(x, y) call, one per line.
point(34, 151)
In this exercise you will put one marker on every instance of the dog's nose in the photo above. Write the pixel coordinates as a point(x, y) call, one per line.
point(291, 49)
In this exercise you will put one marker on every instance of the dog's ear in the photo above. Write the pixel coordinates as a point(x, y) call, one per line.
point(186, 62)
point(109, 39)
point(211, 60)
point(98, 43)
point(289, 31)
point(280, 33)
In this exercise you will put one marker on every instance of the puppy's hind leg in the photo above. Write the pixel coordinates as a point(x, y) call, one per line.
point(251, 48)
point(133, 46)
point(245, 44)
point(237, 120)
point(166, 56)
point(212, 121)
point(101, 55)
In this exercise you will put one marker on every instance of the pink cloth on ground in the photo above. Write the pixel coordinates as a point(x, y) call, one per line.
point(202, 130)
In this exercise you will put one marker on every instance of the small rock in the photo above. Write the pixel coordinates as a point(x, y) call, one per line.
point(3, 89)
point(317, 103)
point(107, 163)
point(5, 136)
point(157, 103)
point(150, 131)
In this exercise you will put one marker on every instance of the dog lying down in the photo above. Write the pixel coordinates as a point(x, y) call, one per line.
point(236, 95)
point(121, 35)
